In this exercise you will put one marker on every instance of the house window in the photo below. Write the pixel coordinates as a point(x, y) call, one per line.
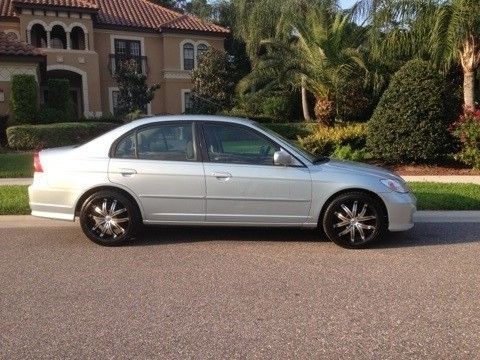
point(115, 94)
point(78, 39)
point(188, 56)
point(201, 49)
point(128, 50)
point(187, 102)
point(58, 37)
point(38, 36)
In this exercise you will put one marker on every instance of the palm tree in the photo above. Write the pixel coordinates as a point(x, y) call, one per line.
point(446, 32)
point(313, 47)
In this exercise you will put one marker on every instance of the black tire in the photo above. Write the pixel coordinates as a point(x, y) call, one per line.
point(354, 220)
point(109, 218)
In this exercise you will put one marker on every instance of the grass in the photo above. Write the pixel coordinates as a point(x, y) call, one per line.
point(437, 196)
point(431, 196)
point(13, 165)
point(14, 200)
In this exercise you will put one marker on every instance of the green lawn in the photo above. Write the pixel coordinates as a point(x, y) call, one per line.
point(436, 196)
point(14, 200)
point(431, 196)
point(13, 165)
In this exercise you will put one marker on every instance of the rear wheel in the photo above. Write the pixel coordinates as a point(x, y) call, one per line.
point(109, 218)
point(354, 219)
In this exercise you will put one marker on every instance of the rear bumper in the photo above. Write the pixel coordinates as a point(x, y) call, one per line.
point(400, 208)
point(51, 203)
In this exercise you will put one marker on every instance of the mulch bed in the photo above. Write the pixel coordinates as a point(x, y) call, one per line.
point(425, 170)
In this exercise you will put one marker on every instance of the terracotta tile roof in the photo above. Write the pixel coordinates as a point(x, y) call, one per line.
point(133, 13)
point(140, 14)
point(78, 4)
point(189, 22)
point(9, 46)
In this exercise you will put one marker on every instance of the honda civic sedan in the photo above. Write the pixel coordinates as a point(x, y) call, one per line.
point(219, 171)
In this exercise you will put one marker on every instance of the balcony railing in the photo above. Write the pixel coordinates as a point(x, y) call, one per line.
point(115, 61)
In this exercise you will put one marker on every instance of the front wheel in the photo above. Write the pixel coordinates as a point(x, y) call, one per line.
point(109, 218)
point(354, 219)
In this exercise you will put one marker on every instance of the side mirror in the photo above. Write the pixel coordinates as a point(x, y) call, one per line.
point(282, 158)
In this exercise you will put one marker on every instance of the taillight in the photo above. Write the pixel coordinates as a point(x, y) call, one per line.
point(36, 162)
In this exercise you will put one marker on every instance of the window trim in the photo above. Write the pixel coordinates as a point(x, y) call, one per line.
point(204, 146)
point(196, 139)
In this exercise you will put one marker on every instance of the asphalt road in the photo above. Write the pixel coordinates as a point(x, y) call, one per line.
point(239, 293)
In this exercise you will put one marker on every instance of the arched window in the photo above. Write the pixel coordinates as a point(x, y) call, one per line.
point(201, 49)
point(38, 36)
point(188, 56)
point(77, 37)
point(58, 37)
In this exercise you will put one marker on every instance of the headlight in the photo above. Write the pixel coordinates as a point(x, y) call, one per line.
point(395, 185)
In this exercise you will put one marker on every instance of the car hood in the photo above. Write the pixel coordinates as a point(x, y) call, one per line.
point(360, 168)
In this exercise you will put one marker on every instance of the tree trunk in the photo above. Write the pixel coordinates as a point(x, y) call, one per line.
point(469, 90)
point(306, 112)
point(325, 110)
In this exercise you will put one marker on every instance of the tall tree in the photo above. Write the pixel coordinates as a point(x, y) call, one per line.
point(446, 32)
point(134, 93)
point(310, 45)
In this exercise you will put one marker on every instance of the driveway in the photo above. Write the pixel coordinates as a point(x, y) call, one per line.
point(239, 293)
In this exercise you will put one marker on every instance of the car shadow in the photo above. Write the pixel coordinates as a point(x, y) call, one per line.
point(423, 234)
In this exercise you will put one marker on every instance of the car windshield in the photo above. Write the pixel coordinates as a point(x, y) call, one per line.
point(312, 158)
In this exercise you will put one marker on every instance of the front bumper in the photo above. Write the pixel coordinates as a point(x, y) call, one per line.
point(400, 208)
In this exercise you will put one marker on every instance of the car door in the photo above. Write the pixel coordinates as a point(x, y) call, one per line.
point(244, 186)
point(160, 163)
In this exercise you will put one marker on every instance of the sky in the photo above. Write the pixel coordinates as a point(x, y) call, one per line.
point(347, 3)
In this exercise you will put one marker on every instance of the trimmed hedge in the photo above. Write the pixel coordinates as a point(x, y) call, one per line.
point(24, 99)
point(410, 123)
point(327, 140)
point(29, 137)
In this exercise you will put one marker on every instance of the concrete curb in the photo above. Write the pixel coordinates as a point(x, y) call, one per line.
point(19, 221)
point(463, 179)
point(16, 181)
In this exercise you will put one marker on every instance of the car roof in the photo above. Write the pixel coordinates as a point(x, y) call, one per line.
point(153, 119)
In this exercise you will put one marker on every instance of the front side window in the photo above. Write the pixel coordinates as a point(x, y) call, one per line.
point(173, 142)
point(233, 144)
point(188, 56)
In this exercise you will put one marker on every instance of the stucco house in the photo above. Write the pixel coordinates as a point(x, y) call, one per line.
point(83, 40)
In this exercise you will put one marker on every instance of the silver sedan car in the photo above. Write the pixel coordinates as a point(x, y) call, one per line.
point(210, 170)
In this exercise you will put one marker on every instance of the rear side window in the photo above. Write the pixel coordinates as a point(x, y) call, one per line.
point(126, 148)
point(168, 142)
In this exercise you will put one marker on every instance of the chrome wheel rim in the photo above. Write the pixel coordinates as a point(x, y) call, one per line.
point(108, 218)
point(358, 221)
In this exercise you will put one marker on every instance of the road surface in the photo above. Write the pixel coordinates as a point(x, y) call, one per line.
point(181, 293)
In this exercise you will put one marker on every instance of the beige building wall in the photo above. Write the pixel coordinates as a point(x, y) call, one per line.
point(151, 47)
point(164, 54)
point(176, 81)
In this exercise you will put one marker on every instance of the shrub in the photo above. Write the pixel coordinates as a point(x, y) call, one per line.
point(24, 99)
point(28, 137)
point(345, 152)
point(48, 115)
point(292, 131)
point(59, 100)
point(325, 140)
point(409, 123)
point(467, 130)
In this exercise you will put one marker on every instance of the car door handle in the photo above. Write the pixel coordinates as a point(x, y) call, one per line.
point(222, 175)
point(127, 172)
